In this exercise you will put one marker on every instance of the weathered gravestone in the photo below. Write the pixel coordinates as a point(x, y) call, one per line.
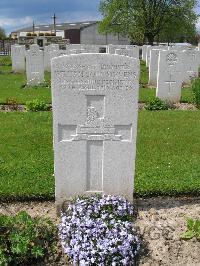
point(144, 52)
point(34, 66)
point(77, 51)
point(73, 46)
point(18, 58)
point(191, 65)
point(95, 106)
point(153, 67)
point(113, 47)
point(128, 52)
point(47, 50)
point(170, 74)
point(58, 53)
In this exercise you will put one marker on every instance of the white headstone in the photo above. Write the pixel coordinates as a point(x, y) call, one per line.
point(153, 67)
point(191, 65)
point(128, 52)
point(58, 53)
point(47, 50)
point(144, 52)
point(73, 46)
point(113, 47)
point(95, 107)
point(34, 66)
point(169, 76)
point(77, 51)
point(18, 58)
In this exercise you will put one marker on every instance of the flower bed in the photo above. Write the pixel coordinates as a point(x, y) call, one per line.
point(99, 231)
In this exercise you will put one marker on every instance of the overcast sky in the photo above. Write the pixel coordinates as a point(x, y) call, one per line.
point(15, 14)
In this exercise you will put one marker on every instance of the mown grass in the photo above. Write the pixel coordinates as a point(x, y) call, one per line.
point(12, 86)
point(26, 156)
point(168, 155)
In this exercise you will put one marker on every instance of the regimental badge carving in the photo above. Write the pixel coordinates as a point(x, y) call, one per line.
point(96, 127)
point(172, 59)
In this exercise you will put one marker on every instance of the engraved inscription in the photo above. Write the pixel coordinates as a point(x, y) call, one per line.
point(91, 77)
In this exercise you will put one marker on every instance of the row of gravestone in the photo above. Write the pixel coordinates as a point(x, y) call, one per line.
point(170, 68)
point(35, 61)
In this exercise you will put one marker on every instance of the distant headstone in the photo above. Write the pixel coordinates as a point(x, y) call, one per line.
point(77, 51)
point(73, 46)
point(191, 65)
point(95, 107)
point(170, 71)
point(18, 58)
point(34, 66)
point(144, 52)
point(58, 53)
point(153, 67)
point(113, 47)
point(128, 52)
point(47, 50)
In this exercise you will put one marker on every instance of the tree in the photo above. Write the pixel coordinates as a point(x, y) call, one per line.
point(147, 19)
point(2, 33)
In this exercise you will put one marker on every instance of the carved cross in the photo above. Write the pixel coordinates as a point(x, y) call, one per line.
point(96, 130)
point(170, 83)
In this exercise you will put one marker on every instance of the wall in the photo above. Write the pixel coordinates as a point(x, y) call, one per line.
point(90, 35)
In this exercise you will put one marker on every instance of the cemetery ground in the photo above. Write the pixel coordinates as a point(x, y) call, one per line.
point(168, 164)
point(12, 85)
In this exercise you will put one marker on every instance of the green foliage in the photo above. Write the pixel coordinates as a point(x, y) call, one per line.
point(157, 105)
point(2, 33)
point(37, 105)
point(196, 92)
point(146, 19)
point(193, 229)
point(25, 240)
point(5, 61)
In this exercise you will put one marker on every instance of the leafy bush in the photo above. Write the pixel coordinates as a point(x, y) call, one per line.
point(157, 104)
point(41, 34)
point(193, 229)
point(25, 240)
point(37, 105)
point(196, 92)
point(99, 231)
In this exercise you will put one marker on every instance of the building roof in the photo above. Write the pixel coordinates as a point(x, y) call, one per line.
point(59, 26)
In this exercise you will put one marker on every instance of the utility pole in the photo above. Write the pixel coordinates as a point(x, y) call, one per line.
point(33, 27)
point(54, 22)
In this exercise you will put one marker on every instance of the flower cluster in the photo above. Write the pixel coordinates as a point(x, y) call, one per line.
point(98, 230)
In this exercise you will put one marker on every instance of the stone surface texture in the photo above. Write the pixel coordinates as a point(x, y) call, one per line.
point(47, 50)
point(95, 107)
point(18, 58)
point(134, 53)
point(170, 76)
point(34, 66)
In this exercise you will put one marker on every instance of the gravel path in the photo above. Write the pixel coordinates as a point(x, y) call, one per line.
point(160, 222)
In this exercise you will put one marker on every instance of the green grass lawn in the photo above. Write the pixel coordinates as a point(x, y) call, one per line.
point(11, 87)
point(168, 154)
